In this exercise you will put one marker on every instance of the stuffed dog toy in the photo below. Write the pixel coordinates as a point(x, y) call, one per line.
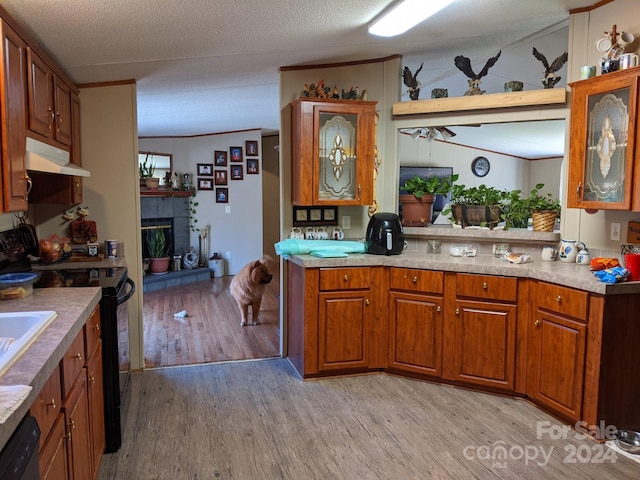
point(247, 288)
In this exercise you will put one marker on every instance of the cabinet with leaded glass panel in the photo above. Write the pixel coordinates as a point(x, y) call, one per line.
point(332, 154)
point(602, 151)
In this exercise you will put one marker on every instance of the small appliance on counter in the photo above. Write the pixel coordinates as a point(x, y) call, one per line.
point(384, 234)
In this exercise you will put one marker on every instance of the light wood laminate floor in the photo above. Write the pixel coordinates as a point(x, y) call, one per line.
point(211, 332)
point(256, 420)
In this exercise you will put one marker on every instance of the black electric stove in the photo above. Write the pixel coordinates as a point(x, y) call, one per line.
point(109, 278)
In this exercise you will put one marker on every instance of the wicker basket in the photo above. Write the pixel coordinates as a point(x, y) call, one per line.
point(544, 221)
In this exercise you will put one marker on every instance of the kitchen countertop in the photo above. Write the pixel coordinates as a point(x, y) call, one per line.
point(34, 367)
point(566, 274)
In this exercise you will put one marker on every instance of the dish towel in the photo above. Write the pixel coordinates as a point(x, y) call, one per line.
point(11, 397)
point(291, 246)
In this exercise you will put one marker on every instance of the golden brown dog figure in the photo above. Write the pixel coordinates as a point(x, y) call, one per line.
point(247, 287)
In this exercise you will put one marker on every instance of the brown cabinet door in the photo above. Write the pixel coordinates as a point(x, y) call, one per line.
point(483, 338)
point(333, 148)
point(76, 412)
point(343, 330)
point(96, 408)
point(72, 363)
point(14, 109)
point(41, 108)
point(415, 333)
point(53, 454)
point(76, 157)
point(48, 404)
point(62, 103)
point(558, 358)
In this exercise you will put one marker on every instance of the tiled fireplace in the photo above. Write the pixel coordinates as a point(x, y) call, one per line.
point(172, 213)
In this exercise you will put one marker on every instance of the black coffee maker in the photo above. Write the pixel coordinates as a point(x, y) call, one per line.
point(385, 235)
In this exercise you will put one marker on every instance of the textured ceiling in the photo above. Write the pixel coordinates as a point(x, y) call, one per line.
point(207, 66)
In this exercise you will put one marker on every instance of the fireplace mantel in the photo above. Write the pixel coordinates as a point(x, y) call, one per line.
point(159, 192)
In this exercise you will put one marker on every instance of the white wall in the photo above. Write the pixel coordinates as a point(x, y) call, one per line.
point(238, 232)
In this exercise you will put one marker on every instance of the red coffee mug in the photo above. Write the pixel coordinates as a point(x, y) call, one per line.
point(632, 263)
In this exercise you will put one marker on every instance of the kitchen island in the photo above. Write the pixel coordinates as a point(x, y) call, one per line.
point(548, 331)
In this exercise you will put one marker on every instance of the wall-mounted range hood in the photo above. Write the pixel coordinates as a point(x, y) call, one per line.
point(42, 157)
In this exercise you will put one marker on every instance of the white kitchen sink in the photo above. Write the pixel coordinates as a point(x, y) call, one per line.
point(18, 330)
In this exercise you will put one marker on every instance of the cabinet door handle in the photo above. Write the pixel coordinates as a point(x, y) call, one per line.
point(558, 299)
point(78, 356)
point(346, 278)
point(96, 327)
point(52, 403)
point(93, 379)
point(578, 190)
point(438, 308)
point(366, 301)
point(484, 285)
point(457, 311)
point(537, 323)
point(53, 117)
point(359, 190)
point(414, 279)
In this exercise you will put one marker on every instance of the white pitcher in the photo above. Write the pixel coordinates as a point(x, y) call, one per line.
point(569, 249)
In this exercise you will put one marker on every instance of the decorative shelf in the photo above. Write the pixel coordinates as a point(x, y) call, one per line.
point(145, 192)
point(551, 96)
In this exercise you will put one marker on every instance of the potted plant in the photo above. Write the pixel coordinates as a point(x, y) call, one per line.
point(477, 206)
point(545, 209)
point(158, 251)
point(417, 202)
point(146, 170)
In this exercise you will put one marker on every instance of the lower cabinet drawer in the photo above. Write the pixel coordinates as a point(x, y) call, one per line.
point(345, 278)
point(487, 287)
point(413, 280)
point(563, 300)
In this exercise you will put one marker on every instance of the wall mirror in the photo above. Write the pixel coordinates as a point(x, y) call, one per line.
point(162, 162)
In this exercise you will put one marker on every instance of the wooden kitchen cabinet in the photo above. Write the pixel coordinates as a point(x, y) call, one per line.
point(480, 331)
point(602, 153)
point(332, 154)
point(336, 319)
point(13, 120)
point(557, 348)
point(49, 102)
point(70, 410)
point(415, 321)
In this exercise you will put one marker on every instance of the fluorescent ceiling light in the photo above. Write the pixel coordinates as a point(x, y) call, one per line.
point(405, 15)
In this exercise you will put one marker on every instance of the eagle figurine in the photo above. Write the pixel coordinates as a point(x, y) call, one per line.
point(550, 78)
point(464, 65)
point(411, 81)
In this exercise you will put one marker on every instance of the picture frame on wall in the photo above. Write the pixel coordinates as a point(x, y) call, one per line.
point(251, 147)
point(253, 166)
point(205, 184)
point(220, 177)
point(237, 172)
point(222, 195)
point(236, 154)
point(205, 169)
point(220, 158)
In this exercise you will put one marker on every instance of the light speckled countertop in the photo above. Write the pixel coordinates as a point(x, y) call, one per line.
point(567, 274)
point(36, 364)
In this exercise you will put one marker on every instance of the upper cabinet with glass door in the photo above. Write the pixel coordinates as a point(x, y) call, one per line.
point(333, 145)
point(602, 151)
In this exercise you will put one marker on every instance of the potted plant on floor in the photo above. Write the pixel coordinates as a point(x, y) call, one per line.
point(417, 202)
point(477, 206)
point(158, 251)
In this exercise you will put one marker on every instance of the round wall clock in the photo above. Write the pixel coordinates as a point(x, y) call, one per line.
point(480, 166)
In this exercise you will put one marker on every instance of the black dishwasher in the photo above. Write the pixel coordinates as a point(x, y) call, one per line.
point(19, 457)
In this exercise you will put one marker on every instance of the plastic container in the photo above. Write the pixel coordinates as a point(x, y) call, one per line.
point(16, 285)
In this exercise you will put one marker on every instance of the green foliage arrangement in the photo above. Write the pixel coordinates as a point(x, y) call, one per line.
point(146, 168)
point(418, 186)
point(157, 243)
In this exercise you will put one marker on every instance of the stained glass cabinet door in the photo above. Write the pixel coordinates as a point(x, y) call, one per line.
point(332, 152)
point(602, 153)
